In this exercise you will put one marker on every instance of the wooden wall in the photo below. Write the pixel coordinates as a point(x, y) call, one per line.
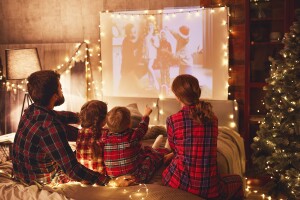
point(56, 26)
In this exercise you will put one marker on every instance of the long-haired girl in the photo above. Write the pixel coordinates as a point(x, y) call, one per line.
point(192, 136)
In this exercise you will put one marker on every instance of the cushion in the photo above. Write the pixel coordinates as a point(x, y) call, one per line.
point(154, 131)
point(136, 116)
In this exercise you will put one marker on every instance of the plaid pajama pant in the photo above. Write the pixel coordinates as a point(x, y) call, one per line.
point(153, 159)
point(231, 187)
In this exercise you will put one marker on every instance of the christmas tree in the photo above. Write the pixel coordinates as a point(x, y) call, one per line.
point(276, 148)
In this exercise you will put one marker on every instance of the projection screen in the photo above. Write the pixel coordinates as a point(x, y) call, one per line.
point(143, 51)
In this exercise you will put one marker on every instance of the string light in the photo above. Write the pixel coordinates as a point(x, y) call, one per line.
point(62, 67)
point(232, 124)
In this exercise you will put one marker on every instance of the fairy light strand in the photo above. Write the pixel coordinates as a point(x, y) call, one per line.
point(61, 69)
point(142, 13)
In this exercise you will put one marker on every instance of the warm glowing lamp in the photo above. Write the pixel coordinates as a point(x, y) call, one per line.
point(20, 63)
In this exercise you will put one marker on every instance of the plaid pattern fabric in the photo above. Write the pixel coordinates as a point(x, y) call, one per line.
point(152, 159)
point(123, 153)
point(41, 148)
point(194, 167)
point(84, 153)
point(231, 187)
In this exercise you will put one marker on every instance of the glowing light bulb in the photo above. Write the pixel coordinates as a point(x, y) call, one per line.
point(226, 85)
point(232, 124)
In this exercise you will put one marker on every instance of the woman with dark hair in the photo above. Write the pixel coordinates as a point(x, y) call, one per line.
point(192, 136)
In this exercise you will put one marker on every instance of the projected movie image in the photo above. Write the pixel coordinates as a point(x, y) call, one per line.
point(142, 52)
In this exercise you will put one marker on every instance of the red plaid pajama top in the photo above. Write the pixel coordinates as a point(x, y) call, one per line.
point(123, 154)
point(194, 166)
point(84, 153)
point(41, 148)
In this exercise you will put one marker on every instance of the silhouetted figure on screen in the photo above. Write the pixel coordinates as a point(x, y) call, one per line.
point(130, 60)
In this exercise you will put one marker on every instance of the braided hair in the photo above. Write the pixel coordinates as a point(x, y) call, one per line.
point(93, 115)
point(186, 88)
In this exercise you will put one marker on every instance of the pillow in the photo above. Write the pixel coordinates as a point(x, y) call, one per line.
point(136, 116)
point(155, 131)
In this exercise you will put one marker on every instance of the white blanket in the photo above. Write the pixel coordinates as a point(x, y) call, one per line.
point(231, 145)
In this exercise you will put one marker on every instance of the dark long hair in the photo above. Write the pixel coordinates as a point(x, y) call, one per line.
point(186, 88)
point(42, 85)
point(93, 115)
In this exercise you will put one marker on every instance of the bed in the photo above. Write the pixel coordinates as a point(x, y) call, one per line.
point(231, 158)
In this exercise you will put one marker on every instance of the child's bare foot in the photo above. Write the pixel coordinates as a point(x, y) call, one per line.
point(157, 142)
point(167, 145)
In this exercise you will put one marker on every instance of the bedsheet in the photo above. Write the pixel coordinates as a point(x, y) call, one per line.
point(12, 190)
point(231, 159)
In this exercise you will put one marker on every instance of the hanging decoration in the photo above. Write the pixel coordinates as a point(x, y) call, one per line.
point(91, 89)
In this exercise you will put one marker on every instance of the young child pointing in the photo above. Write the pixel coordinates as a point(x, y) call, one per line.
point(123, 153)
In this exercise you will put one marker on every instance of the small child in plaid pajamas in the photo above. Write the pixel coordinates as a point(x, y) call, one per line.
point(123, 153)
point(89, 150)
